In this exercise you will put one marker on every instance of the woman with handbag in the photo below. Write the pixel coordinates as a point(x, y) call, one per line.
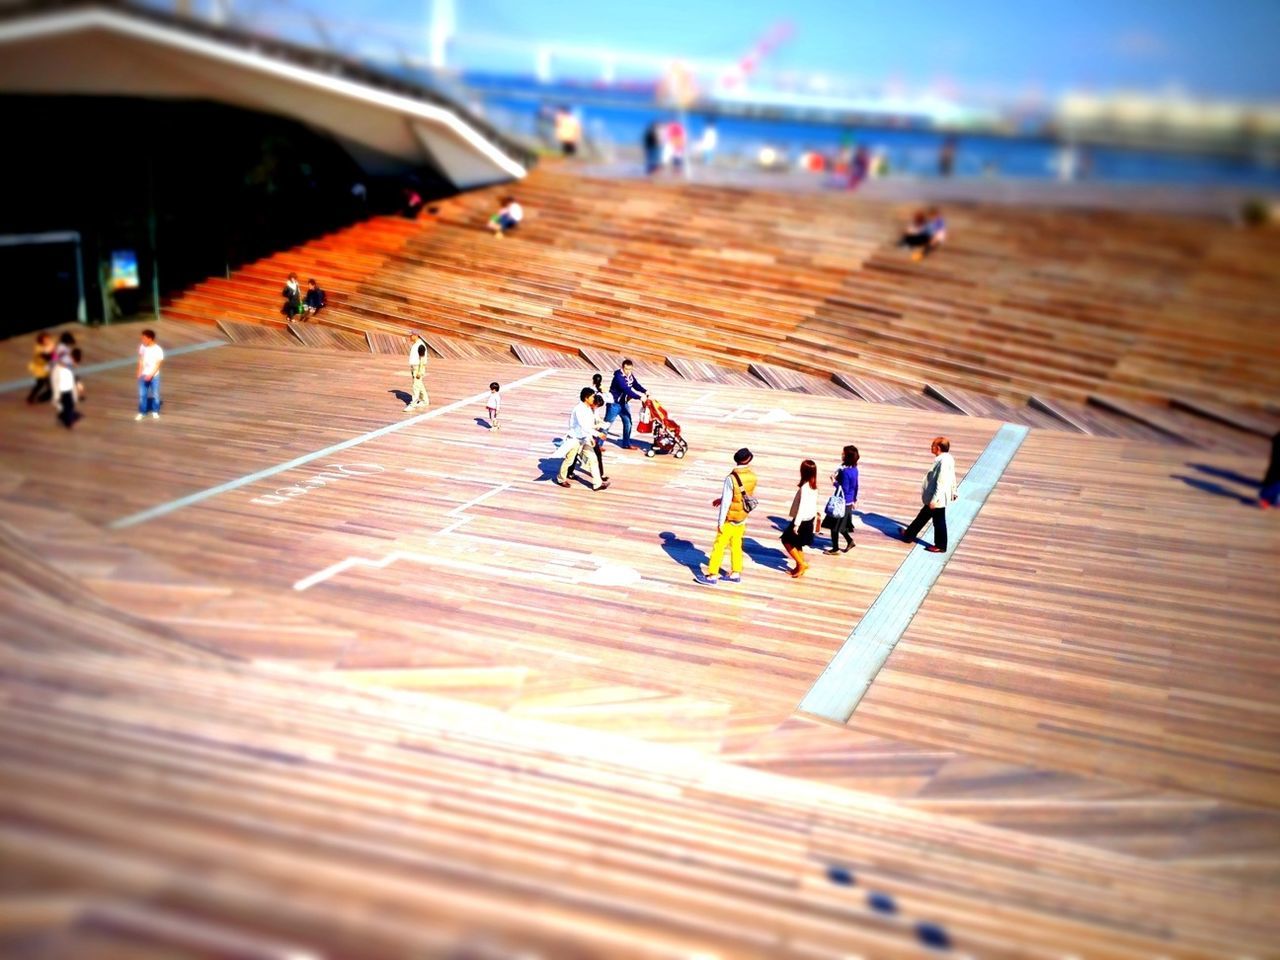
point(841, 503)
point(805, 517)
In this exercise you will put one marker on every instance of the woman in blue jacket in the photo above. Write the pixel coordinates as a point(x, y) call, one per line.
point(845, 480)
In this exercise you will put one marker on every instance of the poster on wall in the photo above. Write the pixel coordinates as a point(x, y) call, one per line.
point(124, 270)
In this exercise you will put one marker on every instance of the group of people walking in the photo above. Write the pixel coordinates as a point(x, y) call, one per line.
point(590, 422)
point(53, 368)
point(808, 514)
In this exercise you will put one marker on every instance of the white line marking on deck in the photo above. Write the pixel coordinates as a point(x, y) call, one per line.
point(480, 499)
point(158, 511)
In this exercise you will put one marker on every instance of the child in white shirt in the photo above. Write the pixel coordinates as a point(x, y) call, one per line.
point(493, 405)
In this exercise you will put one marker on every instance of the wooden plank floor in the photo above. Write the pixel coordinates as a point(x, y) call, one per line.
point(580, 607)
point(1113, 614)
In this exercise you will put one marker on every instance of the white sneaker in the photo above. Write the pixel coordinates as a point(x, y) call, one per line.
point(141, 416)
point(408, 407)
point(155, 415)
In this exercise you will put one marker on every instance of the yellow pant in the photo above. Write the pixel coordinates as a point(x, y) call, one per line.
point(420, 392)
point(730, 536)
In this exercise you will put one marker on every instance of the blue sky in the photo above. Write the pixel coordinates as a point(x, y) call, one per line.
point(1224, 47)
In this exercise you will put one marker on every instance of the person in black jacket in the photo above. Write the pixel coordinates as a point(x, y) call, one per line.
point(315, 299)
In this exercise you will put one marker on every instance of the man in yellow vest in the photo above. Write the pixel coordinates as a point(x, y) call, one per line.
point(737, 499)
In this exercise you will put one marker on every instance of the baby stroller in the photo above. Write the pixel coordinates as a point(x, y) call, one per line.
point(665, 431)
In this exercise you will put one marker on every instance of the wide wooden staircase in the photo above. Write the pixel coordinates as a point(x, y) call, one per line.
point(1122, 325)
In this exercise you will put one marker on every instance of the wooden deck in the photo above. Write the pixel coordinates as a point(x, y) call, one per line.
point(1077, 637)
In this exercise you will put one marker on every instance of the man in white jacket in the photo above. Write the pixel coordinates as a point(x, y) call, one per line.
point(582, 432)
point(938, 490)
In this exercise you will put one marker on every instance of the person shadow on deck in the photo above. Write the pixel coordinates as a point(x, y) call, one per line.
point(1223, 474)
point(769, 557)
point(684, 552)
point(878, 521)
point(1217, 489)
point(402, 395)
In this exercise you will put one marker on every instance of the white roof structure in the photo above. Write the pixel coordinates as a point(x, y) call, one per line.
point(114, 49)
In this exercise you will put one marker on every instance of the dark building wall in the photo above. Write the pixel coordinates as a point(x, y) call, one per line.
point(226, 186)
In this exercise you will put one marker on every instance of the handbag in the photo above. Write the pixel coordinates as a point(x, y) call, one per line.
point(749, 502)
point(836, 504)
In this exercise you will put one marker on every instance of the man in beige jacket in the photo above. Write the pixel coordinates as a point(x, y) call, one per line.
point(938, 490)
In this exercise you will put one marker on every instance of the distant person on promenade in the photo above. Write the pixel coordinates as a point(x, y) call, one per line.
point(568, 131)
point(292, 294)
point(582, 430)
point(859, 167)
point(736, 501)
point(845, 481)
point(150, 357)
point(805, 517)
point(707, 144)
point(652, 149)
point(40, 368)
point(63, 381)
point(507, 218)
point(624, 388)
point(418, 371)
point(1269, 493)
point(947, 157)
point(493, 405)
point(315, 300)
point(676, 143)
point(939, 489)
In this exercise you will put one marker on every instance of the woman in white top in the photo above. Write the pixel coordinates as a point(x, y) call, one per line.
point(804, 517)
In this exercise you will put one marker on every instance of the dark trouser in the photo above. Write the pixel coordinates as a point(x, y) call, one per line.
point(939, 517)
point(842, 527)
point(67, 408)
point(599, 449)
point(40, 391)
point(914, 240)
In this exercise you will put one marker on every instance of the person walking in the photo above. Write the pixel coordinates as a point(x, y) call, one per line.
point(150, 357)
point(804, 517)
point(418, 370)
point(582, 429)
point(63, 382)
point(40, 369)
point(624, 388)
point(1269, 493)
point(493, 405)
point(736, 501)
point(939, 489)
point(845, 480)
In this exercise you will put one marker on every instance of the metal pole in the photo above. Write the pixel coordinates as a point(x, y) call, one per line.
point(151, 237)
point(81, 312)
